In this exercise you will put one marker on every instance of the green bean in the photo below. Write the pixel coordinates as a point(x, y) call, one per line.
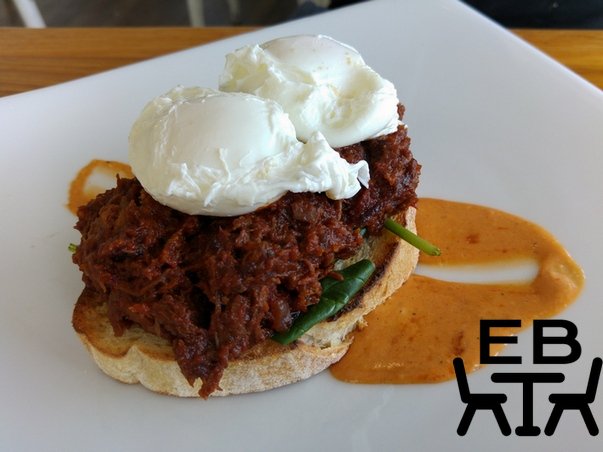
point(335, 295)
point(411, 237)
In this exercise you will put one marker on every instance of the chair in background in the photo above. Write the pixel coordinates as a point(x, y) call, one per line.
point(197, 15)
point(491, 402)
point(29, 13)
point(579, 402)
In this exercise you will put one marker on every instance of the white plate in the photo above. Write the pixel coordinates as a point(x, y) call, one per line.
point(493, 122)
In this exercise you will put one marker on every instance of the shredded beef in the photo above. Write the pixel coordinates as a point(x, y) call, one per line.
point(216, 286)
point(394, 179)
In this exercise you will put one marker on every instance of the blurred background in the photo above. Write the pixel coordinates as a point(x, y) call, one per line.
point(576, 14)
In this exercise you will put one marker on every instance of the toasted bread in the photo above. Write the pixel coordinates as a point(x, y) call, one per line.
point(141, 357)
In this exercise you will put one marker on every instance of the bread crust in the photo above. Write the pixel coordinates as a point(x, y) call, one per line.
point(141, 357)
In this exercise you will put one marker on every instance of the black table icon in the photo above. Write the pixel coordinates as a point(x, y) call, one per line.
point(527, 379)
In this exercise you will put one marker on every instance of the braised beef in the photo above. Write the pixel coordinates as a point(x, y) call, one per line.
point(214, 287)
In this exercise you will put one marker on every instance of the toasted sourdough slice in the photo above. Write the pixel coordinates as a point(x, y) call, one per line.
point(141, 357)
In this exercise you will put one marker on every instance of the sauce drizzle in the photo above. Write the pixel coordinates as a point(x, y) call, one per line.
point(415, 335)
point(85, 186)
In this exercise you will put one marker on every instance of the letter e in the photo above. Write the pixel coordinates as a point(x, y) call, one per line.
point(485, 340)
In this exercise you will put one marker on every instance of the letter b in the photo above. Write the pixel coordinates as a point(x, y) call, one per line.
point(569, 339)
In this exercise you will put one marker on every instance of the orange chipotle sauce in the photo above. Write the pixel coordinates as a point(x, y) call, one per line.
point(83, 188)
point(414, 336)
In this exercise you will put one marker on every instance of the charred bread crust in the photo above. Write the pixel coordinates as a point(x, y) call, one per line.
point(141, 357)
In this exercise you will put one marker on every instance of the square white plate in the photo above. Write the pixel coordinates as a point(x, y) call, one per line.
point(493, 122)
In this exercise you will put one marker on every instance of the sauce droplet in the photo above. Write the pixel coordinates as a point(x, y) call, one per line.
point(94, 178)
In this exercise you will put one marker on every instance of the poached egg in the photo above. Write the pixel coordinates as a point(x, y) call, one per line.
point(206, 152)
point(322, 84)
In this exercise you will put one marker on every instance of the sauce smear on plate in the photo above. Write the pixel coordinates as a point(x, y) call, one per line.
point(93, 179)
point(414, 336)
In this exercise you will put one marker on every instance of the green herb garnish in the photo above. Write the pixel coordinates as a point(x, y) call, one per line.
point(335, 295)
point(411, 237)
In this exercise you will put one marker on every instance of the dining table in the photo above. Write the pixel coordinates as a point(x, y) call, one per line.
point(32, 58)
